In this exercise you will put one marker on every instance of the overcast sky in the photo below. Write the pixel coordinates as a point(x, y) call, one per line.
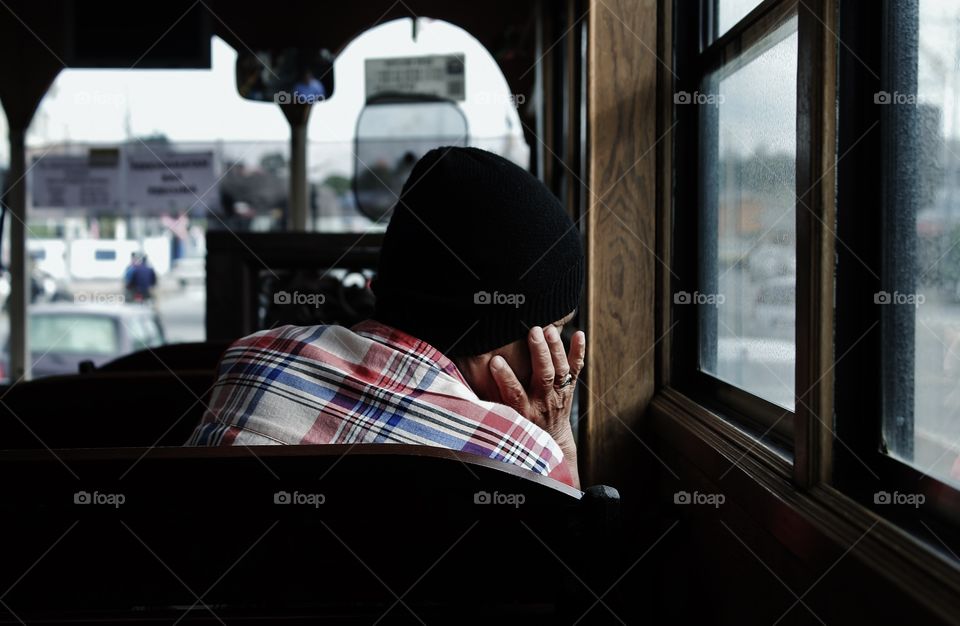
point(203, 105)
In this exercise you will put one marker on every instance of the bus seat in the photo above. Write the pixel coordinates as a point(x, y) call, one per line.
point(175, 356)
point(104, 409)
point(339, 533)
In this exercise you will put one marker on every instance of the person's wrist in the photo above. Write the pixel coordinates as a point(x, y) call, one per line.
point(565, 441)
point(570, 458)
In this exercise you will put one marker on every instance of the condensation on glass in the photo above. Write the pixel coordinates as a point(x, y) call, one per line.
point(729, 12)
point(921, 295)
point(747, 238)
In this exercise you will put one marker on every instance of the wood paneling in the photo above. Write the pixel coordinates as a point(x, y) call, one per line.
point(620, 226)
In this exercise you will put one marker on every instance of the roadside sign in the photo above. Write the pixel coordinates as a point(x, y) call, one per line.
point(76, 181)
point(116, 181)
point(440, 75)
point(160, 181)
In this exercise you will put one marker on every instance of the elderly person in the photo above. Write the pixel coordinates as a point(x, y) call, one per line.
point(480, 270)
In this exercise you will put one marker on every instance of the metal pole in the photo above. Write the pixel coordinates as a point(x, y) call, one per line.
point(297, 115)
point(19, 271)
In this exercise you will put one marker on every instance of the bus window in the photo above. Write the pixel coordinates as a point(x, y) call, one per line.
point(392, 134)
point(920, 300)
point(441, 89)
point(748, 147)
point(128, 171)
point(729, 12)
point(483, 100)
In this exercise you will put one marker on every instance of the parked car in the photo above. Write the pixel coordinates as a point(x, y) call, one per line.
point(62, 335)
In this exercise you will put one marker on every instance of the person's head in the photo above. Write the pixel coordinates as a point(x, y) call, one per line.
point(477, 253)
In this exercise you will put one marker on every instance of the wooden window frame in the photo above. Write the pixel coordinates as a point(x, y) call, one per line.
point(810, 484)
point(867, 135)
point(696, 54)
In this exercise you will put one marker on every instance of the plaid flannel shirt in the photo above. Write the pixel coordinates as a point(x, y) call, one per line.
point(368, 384)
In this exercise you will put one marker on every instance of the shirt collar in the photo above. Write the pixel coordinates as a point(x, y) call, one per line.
point(399, 340)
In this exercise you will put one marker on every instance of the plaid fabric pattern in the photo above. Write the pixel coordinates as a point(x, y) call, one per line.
point(368, 384)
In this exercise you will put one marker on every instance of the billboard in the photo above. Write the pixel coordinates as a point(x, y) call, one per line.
point(124, 181)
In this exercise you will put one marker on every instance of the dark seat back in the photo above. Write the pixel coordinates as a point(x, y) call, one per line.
point(104, 409)
point(202, 355)
point(348, 534)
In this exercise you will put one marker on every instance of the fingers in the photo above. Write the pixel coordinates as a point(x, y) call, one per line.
point(560, 365)
point(578, 350)
point(511, 391)
point(541, 362)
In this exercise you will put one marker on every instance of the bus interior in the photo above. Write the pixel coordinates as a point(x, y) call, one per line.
point(767, 423)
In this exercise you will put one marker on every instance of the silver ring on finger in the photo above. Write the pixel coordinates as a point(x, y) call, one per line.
point(566, 382)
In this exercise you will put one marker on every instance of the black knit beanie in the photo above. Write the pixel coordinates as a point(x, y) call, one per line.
point(478, 251)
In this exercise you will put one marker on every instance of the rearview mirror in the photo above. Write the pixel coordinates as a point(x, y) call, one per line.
point(392, 134)
point(285, 75)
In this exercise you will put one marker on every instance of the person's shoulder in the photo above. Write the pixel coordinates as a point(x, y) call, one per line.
point(291, 337)
point(308, 346)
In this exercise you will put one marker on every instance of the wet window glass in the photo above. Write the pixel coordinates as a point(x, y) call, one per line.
point(921, 296)
point(747, 299)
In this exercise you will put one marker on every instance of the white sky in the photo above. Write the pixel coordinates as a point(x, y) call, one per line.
point(203, 105)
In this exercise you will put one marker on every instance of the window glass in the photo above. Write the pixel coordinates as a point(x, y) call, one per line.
point(130, 168)
point(73, 334)
point(747, 298)
point(729, 12)
point(337, 155)
point(921, 299)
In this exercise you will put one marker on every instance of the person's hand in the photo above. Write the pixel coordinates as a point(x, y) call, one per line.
point(548, 401)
